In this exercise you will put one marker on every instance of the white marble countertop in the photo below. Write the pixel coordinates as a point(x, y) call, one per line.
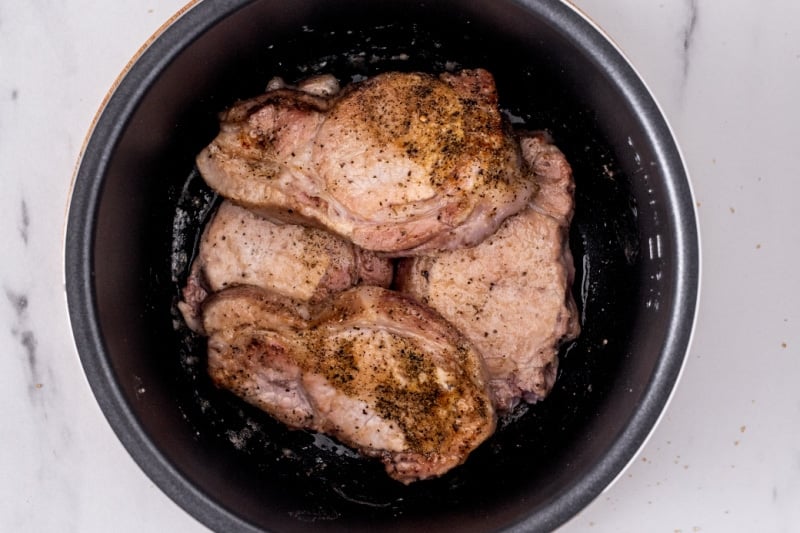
point(726, 456)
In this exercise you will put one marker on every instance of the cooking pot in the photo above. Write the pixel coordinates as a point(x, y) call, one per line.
point(138, 206)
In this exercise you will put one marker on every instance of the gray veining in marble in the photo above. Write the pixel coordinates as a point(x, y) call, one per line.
point(688, 36)
point(24, 221)
point(27, 343)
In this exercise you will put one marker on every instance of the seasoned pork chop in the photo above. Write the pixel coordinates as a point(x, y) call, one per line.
point(511, 294)
point(239, 247)
point(370, 367)
point(402, 163)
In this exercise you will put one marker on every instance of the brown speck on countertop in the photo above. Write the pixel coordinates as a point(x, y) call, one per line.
point(742, 429)
point(783, 345)
point(732, 209)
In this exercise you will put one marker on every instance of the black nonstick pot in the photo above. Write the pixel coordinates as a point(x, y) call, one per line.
point(138, 206)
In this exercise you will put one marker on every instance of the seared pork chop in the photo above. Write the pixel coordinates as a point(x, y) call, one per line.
point(511, 294)
point(401, 163)
point(370, 367)
point(239, 247)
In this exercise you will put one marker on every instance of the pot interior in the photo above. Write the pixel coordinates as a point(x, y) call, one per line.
point(139, 206)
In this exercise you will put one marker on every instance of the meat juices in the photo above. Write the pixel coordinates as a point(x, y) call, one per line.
point(399, 163)
point(323, 186)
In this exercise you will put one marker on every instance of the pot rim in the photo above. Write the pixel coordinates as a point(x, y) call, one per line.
point(694, 239)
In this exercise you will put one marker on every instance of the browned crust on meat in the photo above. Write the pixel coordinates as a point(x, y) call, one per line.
point(511, 294)
point(279, 155)
point(375, 348)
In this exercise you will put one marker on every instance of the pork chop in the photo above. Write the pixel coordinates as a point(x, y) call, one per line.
point(370, 367)
point(401, 163)
point(511, 294)
point(239, 247)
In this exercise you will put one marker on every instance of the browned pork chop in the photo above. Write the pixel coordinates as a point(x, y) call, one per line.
point(511, 294)
point(402, 163)
point(239, 247)
point(372, 368)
